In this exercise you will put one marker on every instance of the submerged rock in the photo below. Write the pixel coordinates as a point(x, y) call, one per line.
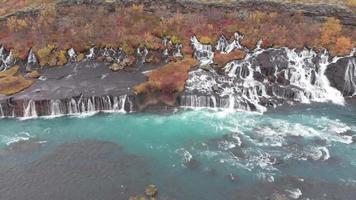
point(151, 191)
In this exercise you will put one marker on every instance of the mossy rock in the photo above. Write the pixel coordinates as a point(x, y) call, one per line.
point(151, 191)
point(14, 84)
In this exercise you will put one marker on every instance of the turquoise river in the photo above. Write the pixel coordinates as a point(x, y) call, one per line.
point(297, 152)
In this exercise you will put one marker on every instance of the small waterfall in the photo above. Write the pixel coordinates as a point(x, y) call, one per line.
point(31, 59)
point(91, 54)
point(72, 107)
point(2, 56)
point(177, 53)
point(91, 105)
point(30, 110)
point(196, 101)
point(350, 78)
point(203, 53)
point(7, 61)
point(55, 108)
point(123, 102)
point(141, 55)
point(72, 54)
point(222, 44)
point(2, 114)
point(235, 44)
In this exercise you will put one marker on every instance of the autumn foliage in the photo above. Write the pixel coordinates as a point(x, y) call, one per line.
point(11, 82)
point(57, 28)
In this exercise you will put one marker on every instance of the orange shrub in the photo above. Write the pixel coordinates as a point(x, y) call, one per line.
point(343, 46)
point(330, 30)
point(168, 80)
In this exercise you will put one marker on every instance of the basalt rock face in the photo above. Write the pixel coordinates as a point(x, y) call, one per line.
point(67, 106)
point(342, 75)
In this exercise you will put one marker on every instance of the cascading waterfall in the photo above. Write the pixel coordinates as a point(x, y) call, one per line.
point(310, 77)
point(265, 78)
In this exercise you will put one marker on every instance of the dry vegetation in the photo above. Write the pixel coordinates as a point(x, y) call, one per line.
point(9, 7)
point(222, 59)
point(167, 81)
point(56, 29)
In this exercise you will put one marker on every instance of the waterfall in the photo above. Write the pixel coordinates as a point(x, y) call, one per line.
point(31, 59)
point(30, 110)
point(122, 102)
point(55, 108)
point(72, 54)
point(2, 56)
point(203, 53)
point(235, 44)
point(350, 78)
point(7, 61)
point(70, 106)
point(310, 76)
point(222, 44)
point(265, 78)
point(91, 54)
point(177, 53)
point(2, 114)
point(91, 105)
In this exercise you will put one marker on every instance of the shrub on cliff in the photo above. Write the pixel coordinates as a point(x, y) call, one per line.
point(167, 81)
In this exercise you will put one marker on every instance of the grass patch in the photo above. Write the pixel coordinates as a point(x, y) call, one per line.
point(14, 84)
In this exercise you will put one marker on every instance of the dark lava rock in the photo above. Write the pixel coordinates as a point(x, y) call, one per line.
point(338, 73)
point(272, 60)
